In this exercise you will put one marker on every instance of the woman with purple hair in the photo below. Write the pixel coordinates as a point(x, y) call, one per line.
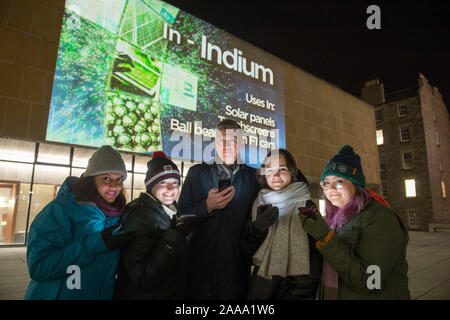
point(362, 240)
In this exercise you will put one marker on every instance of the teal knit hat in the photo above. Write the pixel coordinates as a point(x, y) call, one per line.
point(345, 164)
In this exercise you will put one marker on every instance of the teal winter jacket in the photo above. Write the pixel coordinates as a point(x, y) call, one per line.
point(66, 255)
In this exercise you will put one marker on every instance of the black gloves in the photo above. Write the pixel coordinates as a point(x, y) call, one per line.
point(115, 239)
point(266, 215)
point(184, 224)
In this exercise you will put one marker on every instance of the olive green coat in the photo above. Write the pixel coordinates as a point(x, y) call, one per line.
point(374, 237)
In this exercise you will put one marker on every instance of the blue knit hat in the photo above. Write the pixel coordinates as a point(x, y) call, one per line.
point(345, 164)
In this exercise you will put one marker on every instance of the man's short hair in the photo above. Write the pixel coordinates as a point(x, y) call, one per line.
point(228, 124)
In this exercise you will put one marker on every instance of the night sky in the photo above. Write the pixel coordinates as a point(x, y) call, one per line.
point(330, 40)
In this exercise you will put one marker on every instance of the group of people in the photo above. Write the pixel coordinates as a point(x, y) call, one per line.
point(235, 232)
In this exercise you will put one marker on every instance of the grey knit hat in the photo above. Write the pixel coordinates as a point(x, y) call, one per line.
point(105, 159)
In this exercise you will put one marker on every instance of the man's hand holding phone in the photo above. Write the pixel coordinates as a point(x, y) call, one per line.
point(219, 199)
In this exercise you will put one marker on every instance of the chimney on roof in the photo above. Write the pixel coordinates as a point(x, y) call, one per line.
point(373, 92)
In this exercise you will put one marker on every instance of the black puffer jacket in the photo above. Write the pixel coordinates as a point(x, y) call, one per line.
point(154, 264)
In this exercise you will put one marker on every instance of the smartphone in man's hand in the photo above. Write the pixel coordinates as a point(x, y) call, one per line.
point(223, 184)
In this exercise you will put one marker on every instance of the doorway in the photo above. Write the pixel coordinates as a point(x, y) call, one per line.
point(8, 209)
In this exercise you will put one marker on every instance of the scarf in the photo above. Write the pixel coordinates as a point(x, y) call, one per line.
point(226, 172)
point(285, 250)
point(114, 209)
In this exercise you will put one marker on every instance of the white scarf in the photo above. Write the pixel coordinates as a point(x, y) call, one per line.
point(285, 251)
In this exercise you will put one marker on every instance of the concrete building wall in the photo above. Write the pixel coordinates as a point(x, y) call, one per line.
point(320, 117)
point(437, 131)
point(29, 38)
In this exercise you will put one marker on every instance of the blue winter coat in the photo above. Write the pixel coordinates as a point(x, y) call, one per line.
point(67, 233)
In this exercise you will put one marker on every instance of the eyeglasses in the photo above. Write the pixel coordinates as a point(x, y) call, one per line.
point(337, 184)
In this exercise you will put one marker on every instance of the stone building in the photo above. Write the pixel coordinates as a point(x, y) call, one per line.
point(413, 146)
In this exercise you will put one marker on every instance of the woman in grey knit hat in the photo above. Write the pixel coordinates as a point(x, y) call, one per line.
point(72, 247)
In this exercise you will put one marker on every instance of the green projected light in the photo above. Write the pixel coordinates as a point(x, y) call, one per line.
point(179, 88)
point(136, 73)
point(132, 123)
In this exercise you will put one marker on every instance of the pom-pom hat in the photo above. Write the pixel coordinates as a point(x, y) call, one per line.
point(345, 164)
point(160, 168)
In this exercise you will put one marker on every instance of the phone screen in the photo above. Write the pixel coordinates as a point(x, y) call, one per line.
point(224, 183)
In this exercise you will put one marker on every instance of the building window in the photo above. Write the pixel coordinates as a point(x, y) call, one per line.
point(441, 168)
point(382, 163)
point(402, 110)
point(378, 116)
point(407, 160)
point(380, 139)
point(384, 190)
point(32, 173)
point(444, 191)
point(413, 218)
point(410, 188)
point(437, 138)
point(404, 134)
point(434, 116)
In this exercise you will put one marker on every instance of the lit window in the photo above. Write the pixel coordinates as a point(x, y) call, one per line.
point(410, 185)
point(402, 110)
point(380, 139)
point(444, 192)
point(404, 134)
point(407, 159)
point(413, 218)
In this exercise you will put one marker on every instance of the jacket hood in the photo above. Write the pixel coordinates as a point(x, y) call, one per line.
point(66, 188)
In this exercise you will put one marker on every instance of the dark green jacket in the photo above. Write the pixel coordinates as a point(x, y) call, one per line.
point(374, 237)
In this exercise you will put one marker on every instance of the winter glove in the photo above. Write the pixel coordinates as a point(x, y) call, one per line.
point(115, 239)
point(184, 224)
point(313, 223)
point(266, 215)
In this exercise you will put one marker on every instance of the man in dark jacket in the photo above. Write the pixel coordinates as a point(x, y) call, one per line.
point(218, 268)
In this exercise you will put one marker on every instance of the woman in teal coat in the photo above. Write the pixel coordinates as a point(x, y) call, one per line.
point(72, 243)
point(362, 240)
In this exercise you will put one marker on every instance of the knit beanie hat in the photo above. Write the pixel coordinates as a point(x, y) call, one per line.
point(345, 164)
point(160, 168)
point(104, 160)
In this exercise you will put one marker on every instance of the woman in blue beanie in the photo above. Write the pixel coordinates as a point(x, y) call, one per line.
point(362, 240)
point(73, 242)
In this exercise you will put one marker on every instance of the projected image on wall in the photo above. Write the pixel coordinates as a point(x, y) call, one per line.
point(131, 73)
